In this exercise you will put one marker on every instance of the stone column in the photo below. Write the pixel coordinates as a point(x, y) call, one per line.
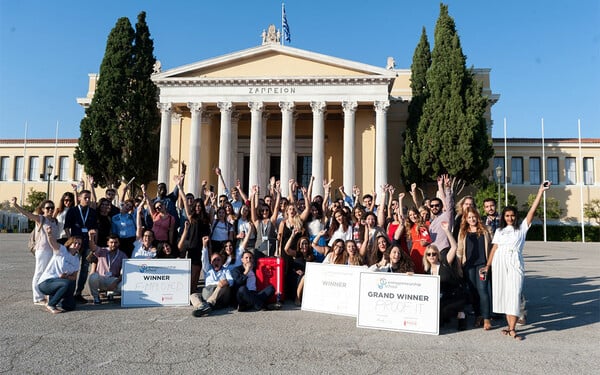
point(288, 145)
point(264, 162)
point(193, 174)
point(349, 125)
point(381, 146)
point(235, 119)
point(256, 137)
point(225, 155)
point(318, 144)
point(164, 154)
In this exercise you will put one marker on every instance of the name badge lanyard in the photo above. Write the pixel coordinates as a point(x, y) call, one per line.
point(84, 219)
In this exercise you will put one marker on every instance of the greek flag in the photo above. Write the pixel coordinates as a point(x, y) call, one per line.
point(286, 28)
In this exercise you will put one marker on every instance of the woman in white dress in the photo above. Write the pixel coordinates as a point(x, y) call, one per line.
point(506, 261)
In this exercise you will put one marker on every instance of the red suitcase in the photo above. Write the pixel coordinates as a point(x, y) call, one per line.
point(270, 271)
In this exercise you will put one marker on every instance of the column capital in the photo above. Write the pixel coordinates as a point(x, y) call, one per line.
point(381, 105)
point(318, 107)
point(164, 106)
point(176, 116)
point(256, 106)
point(287, 106)
point(265, 116)
point(349, 106)
point(235, 117)
point(195, 107)
point(225, 106)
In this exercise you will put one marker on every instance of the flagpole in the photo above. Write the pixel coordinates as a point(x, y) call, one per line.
point(24, 166)
point(282, 31)
point(581, 182)
point(544, 174)
point(505, 168)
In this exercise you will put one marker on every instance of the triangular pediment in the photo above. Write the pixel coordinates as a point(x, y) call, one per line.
point(273, 61)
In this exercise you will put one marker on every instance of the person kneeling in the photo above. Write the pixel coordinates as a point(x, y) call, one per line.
point(245, 279)
point(59, 278)
point(217, 283)
point(108, 272)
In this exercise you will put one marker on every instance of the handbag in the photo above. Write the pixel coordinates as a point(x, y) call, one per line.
point(33, 237)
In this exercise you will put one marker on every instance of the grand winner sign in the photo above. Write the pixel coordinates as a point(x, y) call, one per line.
point(399, 302)
point(156, 282)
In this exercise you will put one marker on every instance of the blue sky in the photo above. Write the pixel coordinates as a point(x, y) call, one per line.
point(544, 56)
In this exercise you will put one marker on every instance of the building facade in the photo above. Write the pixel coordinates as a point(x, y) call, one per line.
point(274, 110)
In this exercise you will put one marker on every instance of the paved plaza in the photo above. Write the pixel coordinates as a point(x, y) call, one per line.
point(561, 336)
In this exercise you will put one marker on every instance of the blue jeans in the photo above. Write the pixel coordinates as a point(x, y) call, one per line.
point(479, 290)
point(59, 289)
point(249, 298)
point(85, 269)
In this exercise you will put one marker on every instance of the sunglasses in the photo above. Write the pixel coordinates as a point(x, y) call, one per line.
point(158, 207)
point(434, 205)
point(49, 208)
point(431, 254)
point(67, 200)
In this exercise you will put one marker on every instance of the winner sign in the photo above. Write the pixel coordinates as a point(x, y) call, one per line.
point(399, 302)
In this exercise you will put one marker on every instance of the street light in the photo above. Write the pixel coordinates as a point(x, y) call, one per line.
point(49, 169)
point(498, 180)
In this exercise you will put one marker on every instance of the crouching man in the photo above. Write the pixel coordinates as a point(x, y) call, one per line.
point(245, 280)
point(217, 283)
point(107, 276)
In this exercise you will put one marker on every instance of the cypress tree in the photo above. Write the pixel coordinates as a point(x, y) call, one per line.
point(141, 141)
point(119, 135)
point(452, 133)
point(418, 83)
point(99, 147)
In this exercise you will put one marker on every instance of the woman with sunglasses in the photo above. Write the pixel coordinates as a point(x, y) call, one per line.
point(60, 276)
point(265, 222)
point(43, 251)
point(506, 260)
point(60, 213)
point(452, 295)
point(163, 223)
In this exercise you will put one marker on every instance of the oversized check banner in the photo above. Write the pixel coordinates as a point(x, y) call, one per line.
point(331, 288)
point(156, 282)
point(399, 302)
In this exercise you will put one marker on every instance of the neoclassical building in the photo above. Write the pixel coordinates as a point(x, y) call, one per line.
point(274, 110)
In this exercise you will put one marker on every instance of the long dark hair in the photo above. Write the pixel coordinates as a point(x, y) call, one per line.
point(61, 204)
point(201, 217)
point(503, 222)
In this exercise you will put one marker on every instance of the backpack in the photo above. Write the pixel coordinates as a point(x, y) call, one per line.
point(33, 237)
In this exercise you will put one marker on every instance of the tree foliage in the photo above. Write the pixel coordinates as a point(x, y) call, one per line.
point(591, 210)
point(451, 135)
point(553, 210)
point(120, 129)
point(418, 83)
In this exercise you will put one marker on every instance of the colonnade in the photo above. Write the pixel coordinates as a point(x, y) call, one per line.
point(228, 144)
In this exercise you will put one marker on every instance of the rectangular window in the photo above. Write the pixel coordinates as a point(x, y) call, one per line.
point(63, 175)
point(552, 170)
point(19, 168)
point(535, 171)
point(499, 169)
point(34, 168)
point(588, 171)
point(49, 167)
point(516, 169)
point(570, 171)
point(78, 171)
point(4, 168)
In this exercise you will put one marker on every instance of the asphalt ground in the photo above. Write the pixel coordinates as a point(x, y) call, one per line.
point(561, 335)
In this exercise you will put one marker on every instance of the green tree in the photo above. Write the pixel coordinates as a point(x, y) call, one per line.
point(490, 190)
point(553, 210)
point(119, 135)
point(592, 210)
point(452, 133)
point(418, 83)
point(142, 138)
point(34, 198)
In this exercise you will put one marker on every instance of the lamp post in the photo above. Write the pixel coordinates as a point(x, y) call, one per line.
point(499, 181)
point(49, 169)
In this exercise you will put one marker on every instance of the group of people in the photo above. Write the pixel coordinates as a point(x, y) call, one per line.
point(478, 257)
